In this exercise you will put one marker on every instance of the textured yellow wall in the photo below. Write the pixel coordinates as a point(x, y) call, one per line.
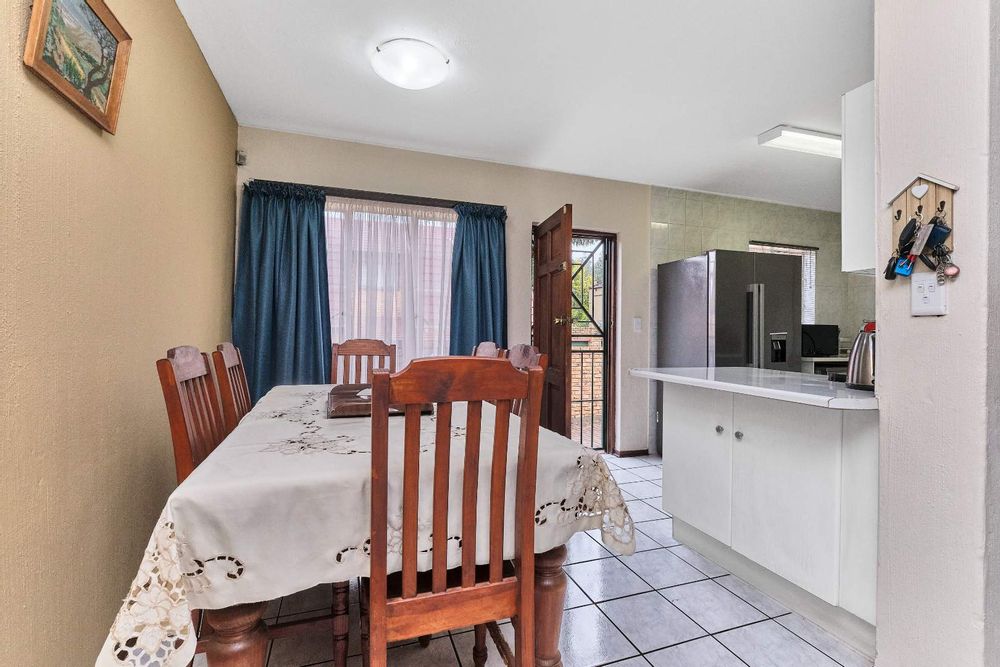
point(112, 249)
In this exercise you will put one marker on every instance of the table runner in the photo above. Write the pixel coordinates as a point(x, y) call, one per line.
point(283, 505)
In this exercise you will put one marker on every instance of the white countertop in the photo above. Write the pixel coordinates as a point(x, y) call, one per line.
point(802, 388)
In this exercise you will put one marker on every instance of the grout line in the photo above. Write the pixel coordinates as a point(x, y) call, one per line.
point(454, 648)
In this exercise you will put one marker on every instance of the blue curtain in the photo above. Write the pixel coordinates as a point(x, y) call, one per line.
point(479, 278)
point(281, 304)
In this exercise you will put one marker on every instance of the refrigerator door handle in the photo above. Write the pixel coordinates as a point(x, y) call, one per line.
point(755, 324)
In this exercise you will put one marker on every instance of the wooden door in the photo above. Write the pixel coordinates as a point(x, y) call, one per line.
point(553, 318)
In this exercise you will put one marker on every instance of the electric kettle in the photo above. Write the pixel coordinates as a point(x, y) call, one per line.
point(861, 363)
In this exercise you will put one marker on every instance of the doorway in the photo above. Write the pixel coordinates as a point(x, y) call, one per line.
point(592, 353)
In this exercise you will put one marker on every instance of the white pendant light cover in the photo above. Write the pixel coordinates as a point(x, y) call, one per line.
point(410, 63)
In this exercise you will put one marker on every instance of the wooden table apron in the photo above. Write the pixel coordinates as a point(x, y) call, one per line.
point(241, 636)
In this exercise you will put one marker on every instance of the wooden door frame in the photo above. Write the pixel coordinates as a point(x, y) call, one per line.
point(610, 444)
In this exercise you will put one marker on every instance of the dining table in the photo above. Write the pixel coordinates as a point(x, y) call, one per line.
point(282, 505)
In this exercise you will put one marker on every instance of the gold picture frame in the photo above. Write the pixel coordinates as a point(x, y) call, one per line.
point(80, 49)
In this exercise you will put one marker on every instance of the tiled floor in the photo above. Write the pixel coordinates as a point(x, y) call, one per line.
point(664, 606)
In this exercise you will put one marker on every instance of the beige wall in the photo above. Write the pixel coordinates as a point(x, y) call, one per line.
point(529, 195)
point(112, 249)
point(935, 440)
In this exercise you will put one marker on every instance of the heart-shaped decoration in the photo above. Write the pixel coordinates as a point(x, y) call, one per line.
point(919, 191)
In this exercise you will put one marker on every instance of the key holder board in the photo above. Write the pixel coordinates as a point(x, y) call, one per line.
point(928, 197)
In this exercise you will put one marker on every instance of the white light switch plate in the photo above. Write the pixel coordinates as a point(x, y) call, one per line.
point(926, 296)
point(637, 324)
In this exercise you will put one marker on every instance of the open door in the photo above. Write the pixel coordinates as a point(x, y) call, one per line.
point(552, 332)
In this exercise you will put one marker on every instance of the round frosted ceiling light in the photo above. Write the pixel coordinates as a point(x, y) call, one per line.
point(410, 63)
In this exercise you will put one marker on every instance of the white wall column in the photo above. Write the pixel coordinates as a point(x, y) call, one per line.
point(936, 384)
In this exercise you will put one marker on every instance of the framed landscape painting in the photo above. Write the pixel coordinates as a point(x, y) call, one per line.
point(79, 48)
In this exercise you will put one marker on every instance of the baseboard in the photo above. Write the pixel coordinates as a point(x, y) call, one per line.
point(630, 452)
point(844, 625)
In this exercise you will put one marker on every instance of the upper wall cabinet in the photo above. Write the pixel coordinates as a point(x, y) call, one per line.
point(859, 209)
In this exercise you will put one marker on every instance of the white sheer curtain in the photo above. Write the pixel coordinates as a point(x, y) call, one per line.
point(390, 274)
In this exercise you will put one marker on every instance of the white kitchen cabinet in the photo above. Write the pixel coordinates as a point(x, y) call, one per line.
point(786, 491)
point(697, 457)
point(859, 208)
point(781, 469)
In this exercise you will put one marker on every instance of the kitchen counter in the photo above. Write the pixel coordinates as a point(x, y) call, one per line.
point(803, 388)
point(775, 474)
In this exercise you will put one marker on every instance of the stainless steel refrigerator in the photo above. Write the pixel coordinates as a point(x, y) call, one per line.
point(729, 308)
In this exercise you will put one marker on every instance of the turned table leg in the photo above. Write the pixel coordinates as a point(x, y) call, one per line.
point(341, 622)
point(550, 596)
point(240, 636)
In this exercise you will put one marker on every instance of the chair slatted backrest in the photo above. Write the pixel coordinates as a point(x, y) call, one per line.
point(354, 360)
point(233, 388)
point(444, 381)
point(196, 425)
point(488, 349)
point(523, 357)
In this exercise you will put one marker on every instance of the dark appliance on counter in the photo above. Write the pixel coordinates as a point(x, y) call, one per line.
point(820, 340)
point(729, 308)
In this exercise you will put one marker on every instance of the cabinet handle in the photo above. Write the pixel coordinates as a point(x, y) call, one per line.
point(739, 435)
point(719, 429)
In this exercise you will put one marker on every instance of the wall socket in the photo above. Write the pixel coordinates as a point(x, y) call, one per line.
point(927, 298)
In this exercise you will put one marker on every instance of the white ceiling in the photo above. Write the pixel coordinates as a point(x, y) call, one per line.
point(665, 92)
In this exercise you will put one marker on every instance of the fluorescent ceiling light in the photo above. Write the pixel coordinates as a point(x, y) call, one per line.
point(804, 141)
point(410, 63)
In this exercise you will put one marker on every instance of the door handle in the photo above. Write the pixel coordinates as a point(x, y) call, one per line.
point(560, 321)
point(719, 429)
point(738, 435)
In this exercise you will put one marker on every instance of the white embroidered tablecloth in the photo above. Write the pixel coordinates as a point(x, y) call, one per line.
point(283, 505)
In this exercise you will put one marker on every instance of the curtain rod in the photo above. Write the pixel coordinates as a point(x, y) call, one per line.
point(413, 200)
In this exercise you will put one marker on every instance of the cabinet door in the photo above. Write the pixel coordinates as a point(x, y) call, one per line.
point(859, 206)
point(786, 491)
point(697, 459)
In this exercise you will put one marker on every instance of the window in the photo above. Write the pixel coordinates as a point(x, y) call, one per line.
point(389, 270)
point(808, 256)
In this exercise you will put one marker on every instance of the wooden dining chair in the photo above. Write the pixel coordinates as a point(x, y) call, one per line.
point(360, 355)
point(523, 357)
point(409, 604)
point(233, 388)
point(197, 427)
point(487, 349)
point(196, 424)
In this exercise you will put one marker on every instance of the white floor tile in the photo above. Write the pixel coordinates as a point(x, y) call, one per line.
point(770, 645)
point(589, 639)
point(765, 604)
point(650, 622)
point(694, 558)
point(712, 606)
point(705, 652)
point(824, 641)
point(660, 568)
point(662, 531)
point(606, 579)
point(582, 547)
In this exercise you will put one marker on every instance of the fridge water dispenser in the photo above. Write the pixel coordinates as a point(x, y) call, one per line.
point(779, 346)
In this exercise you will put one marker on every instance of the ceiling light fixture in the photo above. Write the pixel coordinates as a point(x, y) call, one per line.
point(410, 63)
point(803, 141)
